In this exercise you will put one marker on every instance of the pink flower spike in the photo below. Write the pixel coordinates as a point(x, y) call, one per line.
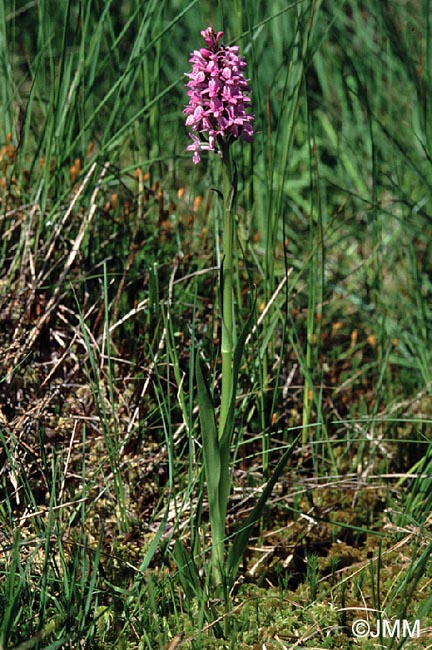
point(218, 94)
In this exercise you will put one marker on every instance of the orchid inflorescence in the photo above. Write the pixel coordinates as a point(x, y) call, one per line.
point(218, 96)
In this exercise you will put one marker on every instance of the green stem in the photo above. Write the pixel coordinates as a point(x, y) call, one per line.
point(228, 337)
point(228, 327)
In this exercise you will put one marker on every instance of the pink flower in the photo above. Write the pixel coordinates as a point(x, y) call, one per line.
point(218, 96)
point(197, 146)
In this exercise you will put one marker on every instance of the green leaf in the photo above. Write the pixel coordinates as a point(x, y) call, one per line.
point(153, 545)
point(237, 357)
point(242, 536)
point(188, 573)
point(216, 473)
point(211, 451)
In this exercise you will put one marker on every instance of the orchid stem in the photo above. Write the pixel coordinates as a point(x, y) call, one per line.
point(228, 337)
point(228, 325)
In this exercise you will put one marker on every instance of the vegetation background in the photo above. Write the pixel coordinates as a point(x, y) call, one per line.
point(109, 252)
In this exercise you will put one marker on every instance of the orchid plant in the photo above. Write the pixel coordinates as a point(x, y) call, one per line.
point(217, 115)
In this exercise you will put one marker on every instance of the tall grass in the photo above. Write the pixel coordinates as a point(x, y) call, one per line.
point(108, 267)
